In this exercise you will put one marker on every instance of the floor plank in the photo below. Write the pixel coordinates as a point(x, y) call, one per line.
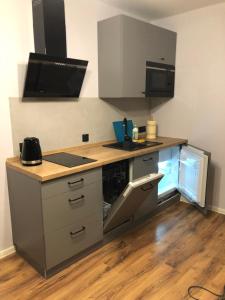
point(158, 260)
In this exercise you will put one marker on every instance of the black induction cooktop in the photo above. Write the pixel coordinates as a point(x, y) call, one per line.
point(67, 159)
point(131, 146)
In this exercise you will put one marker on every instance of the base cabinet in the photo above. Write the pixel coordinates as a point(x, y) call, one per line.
point(56, 220)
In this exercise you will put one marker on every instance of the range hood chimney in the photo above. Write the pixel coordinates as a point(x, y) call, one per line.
point(50, 74)
point(49, 27)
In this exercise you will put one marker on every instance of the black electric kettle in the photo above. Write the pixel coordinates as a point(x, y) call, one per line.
point(30, 152)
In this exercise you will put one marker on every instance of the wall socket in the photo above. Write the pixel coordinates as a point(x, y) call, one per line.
point(85, 137)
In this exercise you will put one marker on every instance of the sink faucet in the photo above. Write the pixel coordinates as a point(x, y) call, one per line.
point(127, 138)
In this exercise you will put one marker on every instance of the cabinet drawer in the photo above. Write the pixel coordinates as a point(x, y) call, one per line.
point(70, 183)
point(144, 165)
point(64, 209)
point(69, 241)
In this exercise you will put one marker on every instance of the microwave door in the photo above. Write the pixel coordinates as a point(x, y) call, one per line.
point(171, 82)
point(159, 82)
point(193, 175)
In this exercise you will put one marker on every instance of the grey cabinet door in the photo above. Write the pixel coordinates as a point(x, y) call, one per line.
point(70, 240)
point(135, 51)
point(161, 45)
point(110, 65)
point(144, 165)
point(70, 183)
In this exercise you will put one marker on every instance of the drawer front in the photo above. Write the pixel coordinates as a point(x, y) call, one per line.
point(64, 209)
point(70, 183)
point(69, 241)
point(144, 165)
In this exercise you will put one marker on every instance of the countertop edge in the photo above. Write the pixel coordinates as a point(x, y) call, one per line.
point(99, 163)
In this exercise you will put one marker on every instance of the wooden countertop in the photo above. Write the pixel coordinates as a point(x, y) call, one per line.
point(103, 155)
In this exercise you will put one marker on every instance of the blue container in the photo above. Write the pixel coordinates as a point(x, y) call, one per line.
point(119, 129)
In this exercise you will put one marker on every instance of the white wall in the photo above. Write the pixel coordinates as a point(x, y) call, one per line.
point(58, 124)
point(14, 19)
point(197, 111)
point(62, 123)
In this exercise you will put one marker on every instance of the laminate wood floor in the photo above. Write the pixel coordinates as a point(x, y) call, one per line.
point(158, 260)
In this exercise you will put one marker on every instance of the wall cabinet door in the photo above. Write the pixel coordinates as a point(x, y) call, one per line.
point(161, 45)
point(110, 64)
point(135, 51)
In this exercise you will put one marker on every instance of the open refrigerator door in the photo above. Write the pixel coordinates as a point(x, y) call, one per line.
point(193, 172)
point(185, 169)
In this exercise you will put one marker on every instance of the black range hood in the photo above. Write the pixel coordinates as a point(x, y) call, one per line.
point(51, 76)
point(50, 73)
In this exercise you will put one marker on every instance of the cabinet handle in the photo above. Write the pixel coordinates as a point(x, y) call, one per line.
point(76, 200)
point(162, 58)
point(148, 188)
point(75, 182)
point(73, 234)
point(147, 159)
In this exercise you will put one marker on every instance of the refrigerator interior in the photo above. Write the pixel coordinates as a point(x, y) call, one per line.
point(169, 166)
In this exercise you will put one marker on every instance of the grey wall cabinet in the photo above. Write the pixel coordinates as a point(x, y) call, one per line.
point(142, 166)
point(56, 220)
point(124, 46)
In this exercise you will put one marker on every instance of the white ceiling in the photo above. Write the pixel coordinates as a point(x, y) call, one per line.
point(156, 9)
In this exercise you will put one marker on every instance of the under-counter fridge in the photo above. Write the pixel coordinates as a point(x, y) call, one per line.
point(185, 171)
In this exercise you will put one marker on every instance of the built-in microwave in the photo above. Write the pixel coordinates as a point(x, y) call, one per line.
point(160, 80)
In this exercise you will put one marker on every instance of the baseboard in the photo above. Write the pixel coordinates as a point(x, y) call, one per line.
point(182, 199)
point(212, 208)
point(6, 252)
point(217, 209)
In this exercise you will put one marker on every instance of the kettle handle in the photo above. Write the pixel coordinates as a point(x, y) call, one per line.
point(21, 147)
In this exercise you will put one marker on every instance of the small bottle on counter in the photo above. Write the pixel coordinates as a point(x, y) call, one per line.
point(151, 130)
point(135, 133)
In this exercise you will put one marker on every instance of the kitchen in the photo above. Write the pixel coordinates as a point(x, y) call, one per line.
point(67, 121)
